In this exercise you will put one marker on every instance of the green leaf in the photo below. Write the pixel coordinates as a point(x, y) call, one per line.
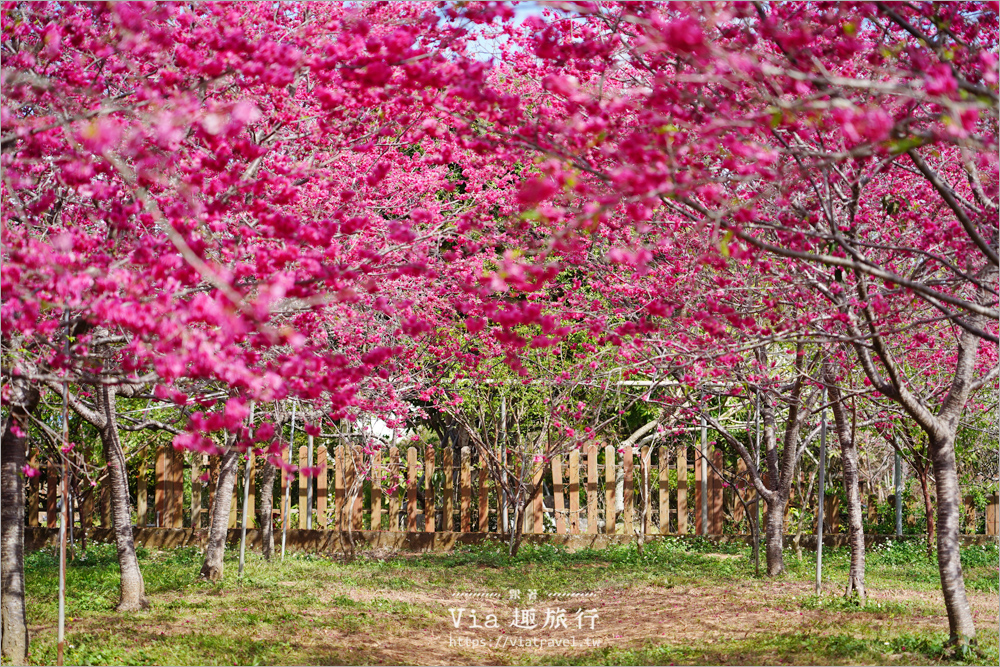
point(724, 244)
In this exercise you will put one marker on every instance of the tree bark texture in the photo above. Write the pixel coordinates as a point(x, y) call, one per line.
point(960, 623)
point(849, 457)
point(23, 401)
point(264, 509)
point(775, 535)
point(132, 589)
point(218, 529)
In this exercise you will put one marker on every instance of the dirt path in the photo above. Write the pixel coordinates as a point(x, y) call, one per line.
point(630, 618)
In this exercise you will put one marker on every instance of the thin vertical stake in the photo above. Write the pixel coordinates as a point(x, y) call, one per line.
point(822, 499)
point(756, 505)
point(288, 487)
point(246, 497)
point(63, 516)
point(309, 486)
point(704, 474)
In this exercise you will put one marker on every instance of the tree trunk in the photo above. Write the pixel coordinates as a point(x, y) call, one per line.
point(132, 589)
point(775, 536)
point(963, 631)
point(856, 575)
point(264, 510)
point(517, 533)
point(219, 527)
point(849, 455)
point(23, 401)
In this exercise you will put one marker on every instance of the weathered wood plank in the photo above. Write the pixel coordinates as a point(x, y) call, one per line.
point(557, 494)
point(610, 513)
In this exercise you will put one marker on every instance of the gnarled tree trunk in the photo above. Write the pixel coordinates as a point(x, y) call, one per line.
point(774, 548)
point(132, 590)
point(23, 400)
point(212, 568)
point(264, 509)
point(963, 630)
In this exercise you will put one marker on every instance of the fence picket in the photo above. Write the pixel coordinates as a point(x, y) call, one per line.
point(574, 492)
point(610, 514)
point(557, 495)
point(411, 489)
point(663, 468)
point(430, 504)
point(465, 491)
point(592, 489)
point(448, 502)
point(682, 473)
point(394, 497)
point(322, 520)
point(484, 500)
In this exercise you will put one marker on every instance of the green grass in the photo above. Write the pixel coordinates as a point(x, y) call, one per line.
point(315, 609)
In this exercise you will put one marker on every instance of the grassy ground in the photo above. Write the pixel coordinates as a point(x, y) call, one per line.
point(682, 602)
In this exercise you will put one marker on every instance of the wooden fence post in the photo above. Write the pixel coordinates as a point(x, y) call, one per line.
point(34, 493)
point(699, 528)
point(354, 487)
point(610, 515)
point(411, 489)
point(338, 488)
point(448, 502)
point(739, 490)
point(715, 509)
point(159, 487)
point(663, 468)
point(465, 492)
point(993, 515)
point(234, 505)
point(592, 489)
point(645, 461)
point(252, 495)
point(628, 492)
point(196, 490)
point(484, 499)
point(322, 518)
point(105, 508)
point(574, 492)
point(303, 487)
point(52, 497)
point(430, 504)
point(971, 516)
point(86, 510)
point(559, 503)
point(682, 484)
point(537, 514)
point(141, 509)
point(394, 497)
point(177, 490)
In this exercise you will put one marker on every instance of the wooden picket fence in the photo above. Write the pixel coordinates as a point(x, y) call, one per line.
point(421, 489)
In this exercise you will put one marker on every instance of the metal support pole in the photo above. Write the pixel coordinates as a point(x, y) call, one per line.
point(246, 497)
point(503, 465)
point(756, 504)
point(288, 487)
point(309, 487)
point(822, 498)
point(63, 515)
point(704, 476)
point(897, 482)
